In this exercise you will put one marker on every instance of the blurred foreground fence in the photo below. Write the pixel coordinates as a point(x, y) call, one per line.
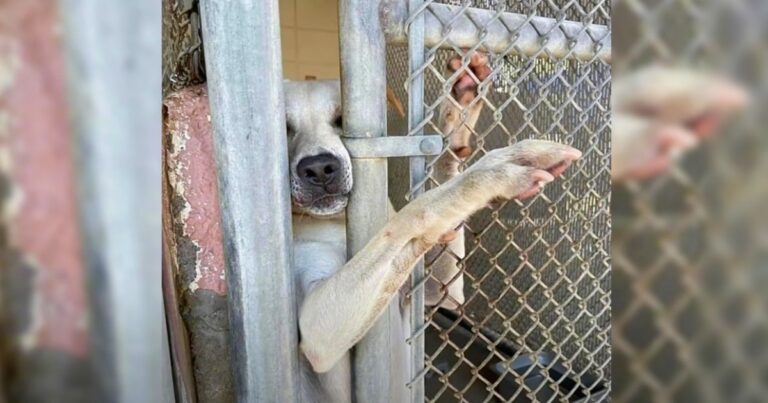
point(689, 251)
point(80, 306)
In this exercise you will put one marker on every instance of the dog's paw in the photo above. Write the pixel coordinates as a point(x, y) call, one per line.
point(476, 71)
point(696, 101)
point(643, 148)
point(546, 155)
point(521, 170)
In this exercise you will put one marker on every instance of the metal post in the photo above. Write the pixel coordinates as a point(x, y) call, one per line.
point(114, 87)
point(510, 33)
point(3, 356)
point(418, 173)
point(363, 86)
point(244, 70)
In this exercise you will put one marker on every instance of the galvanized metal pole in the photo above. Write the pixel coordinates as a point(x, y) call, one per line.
point(509, 33)
point(418, 173)
point(112, 54)
point(3, 357)
point(244, 70)
point(363, 86)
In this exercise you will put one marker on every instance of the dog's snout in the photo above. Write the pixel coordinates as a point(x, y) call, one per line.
point(321, 170)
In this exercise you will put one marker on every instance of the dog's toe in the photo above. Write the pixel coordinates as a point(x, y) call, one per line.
point(469, 77)
point(546, 155)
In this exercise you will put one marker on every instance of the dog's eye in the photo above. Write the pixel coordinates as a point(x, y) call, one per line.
point(337, 122)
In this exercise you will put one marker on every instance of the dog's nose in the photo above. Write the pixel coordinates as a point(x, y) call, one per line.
point(319, 170)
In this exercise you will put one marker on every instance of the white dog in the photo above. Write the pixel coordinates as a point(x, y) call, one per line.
point(339, 300)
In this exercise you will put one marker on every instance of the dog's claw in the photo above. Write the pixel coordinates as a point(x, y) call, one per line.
point(571, 154)
point(448, 236)
point(539, 178)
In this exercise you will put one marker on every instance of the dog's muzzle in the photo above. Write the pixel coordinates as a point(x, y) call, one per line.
point(320, 185)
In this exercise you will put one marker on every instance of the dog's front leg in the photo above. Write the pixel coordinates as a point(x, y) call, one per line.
point(460, 111)
point(338, 311)
point(458, 116)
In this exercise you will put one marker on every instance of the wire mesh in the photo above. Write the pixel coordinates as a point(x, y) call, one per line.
point(535, 322)
point(183, 62)
point(689, 247)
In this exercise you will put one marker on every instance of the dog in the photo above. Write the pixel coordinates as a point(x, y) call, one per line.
point(340, 300)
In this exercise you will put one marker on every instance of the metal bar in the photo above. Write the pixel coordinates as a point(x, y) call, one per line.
point(178, 339)
point(114, 88)
point(528, 35)
point(417, 174)
point(244, 70)
point(393, 146)
point(363, 86)
point(3, 355)
point(166, 370)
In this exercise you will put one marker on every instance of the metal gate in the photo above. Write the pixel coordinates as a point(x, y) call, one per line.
point(535, 322)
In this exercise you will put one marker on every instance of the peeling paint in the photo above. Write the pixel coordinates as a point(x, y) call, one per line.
point(5, 124)
point(191, 175)
point(28, 339)
point(197, 249)
point(179, 181)
point(12, 204)
point(9, 64)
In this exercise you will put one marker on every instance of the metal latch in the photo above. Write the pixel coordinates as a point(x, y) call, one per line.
point(393, 146)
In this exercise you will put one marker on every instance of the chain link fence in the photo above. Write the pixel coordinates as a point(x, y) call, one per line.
point(183, 61)
point(535, 321)
point(689, 248)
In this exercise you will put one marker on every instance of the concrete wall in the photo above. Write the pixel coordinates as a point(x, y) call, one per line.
point(310, 38)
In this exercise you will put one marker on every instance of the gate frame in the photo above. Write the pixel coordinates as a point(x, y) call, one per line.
point(113, 89)
point(248, 116)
